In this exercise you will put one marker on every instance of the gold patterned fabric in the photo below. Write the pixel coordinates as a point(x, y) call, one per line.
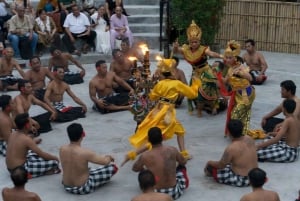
point(163, 115)
point(194, 32)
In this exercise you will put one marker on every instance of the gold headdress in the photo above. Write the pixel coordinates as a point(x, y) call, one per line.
point(194, 32)
point(166, 65)
point(233, 48)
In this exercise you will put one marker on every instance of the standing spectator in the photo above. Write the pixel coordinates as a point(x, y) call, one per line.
point(119, 28)
point(77, 25)
point(110, 6)
point(101, 27)
point(21, 28)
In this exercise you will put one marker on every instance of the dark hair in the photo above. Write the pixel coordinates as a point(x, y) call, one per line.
point(114, 52)
point(19, 176)
point(166, 74)
point(125, 40)
point(239, 59)
point(39, 12)
point(52, 49)
point(251, 41)
point(221, 65)
point(176, 59)
point(34, 57)
point(4, 101)
point(99, 62)
point(146, 179)
point(75, 131)
point(22, 83)
point(289, 85)
point(155, 135)
point(21, 120)
point(235, 128)
point(289, 105)
point(257, 177)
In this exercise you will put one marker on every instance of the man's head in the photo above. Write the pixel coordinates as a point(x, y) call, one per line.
point(288, 88)
point(117, 55)
point(20, 11)
point(146, 179)
point(289, 106)
point(19, 176)
point(155, 136)
point(35, 63)
point(118, 11)
point(25, 87)
point(235, 128)
point(8, 52)
point(257, 177)
point(75, 132)
point(125, 44)
point(250, 45)
point(59, 73)
point(55, 52)
point(22, 121)
point(75, 11)
point(101, 66)
point(5, 102)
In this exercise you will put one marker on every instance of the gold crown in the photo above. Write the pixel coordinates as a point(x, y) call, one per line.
point(194, 32)
point(166, 65)
point(233, 48)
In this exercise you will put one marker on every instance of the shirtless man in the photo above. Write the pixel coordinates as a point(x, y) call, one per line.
point(37, 77)
point(7, 64)
point(122, 67)
point(282, 146)
point(161, 160)
point(54, 98)
point(147, 183)
point(23, 102)
point(62, 59)
point(130, 51)
point(256, 62)
point(102, 93)
point(238, 158)
point(23, 151)
point(258, 178)
point(271, 123)
point(6, 123)
point(78, 178)
point(18, 192)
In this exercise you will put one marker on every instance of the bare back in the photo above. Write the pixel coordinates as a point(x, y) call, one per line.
point(261, 195)
point(102, 86)
point(152, 196)
point(14, 194)
point(62, 62)
point(291, 127)
point(243, 155)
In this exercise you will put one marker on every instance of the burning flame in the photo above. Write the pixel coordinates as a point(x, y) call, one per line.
point(158, 58)
point(144, 48)
point(132, 58)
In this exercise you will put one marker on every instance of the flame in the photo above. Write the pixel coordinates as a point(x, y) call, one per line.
point(132, 58)
point(144, 48)
point(158, 58)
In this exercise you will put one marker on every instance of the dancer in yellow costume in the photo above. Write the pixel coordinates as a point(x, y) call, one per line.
point(242, 93)
point(163, 115)
point(196, 55)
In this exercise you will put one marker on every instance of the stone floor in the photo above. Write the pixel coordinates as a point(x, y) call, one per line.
point(204, 139)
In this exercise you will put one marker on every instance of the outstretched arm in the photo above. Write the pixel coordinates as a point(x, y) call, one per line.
point(76, 99)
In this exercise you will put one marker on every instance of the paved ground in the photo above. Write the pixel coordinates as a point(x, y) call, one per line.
point(204, 139)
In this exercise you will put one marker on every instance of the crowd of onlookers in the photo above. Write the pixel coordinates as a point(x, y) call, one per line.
point(61, 24)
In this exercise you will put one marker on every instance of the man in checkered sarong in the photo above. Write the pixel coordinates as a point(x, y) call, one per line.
point(161, 161)
point(23, 151)
point(282, 146)
point(238, 158)
point(78, 178)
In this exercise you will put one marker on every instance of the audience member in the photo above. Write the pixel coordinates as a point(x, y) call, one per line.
point(119, 28)
point(258, 178)
point(101, 26)
point(23, 151)
point(21, 28)
point(18, 192)
point(78, 178)
point(37, 77)
point(77, 25)
point(282, 146)
point(238, 158)
point(130, 51)
point(54, 98)
point(110, 6)
point(29, 10)
point(147, 182)
point(66, 5)
point(61, 60)
point(7, 80)
point(256, 62)
point(162, 160)
point(23, 102)
point(6, 123)
point(269, 122)
point(102, 93)
point(46, 29)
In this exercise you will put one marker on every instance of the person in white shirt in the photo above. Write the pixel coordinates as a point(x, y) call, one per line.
point(77, 25)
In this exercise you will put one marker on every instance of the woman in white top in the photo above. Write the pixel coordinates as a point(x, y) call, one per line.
point(101, 27)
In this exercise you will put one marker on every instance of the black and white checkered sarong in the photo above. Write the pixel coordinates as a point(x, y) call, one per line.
point(178, 189)
point(97, 177)
point(279, 152)
point(227, 176)
point(9, 80)
point(37, 166)
point(3, 146)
